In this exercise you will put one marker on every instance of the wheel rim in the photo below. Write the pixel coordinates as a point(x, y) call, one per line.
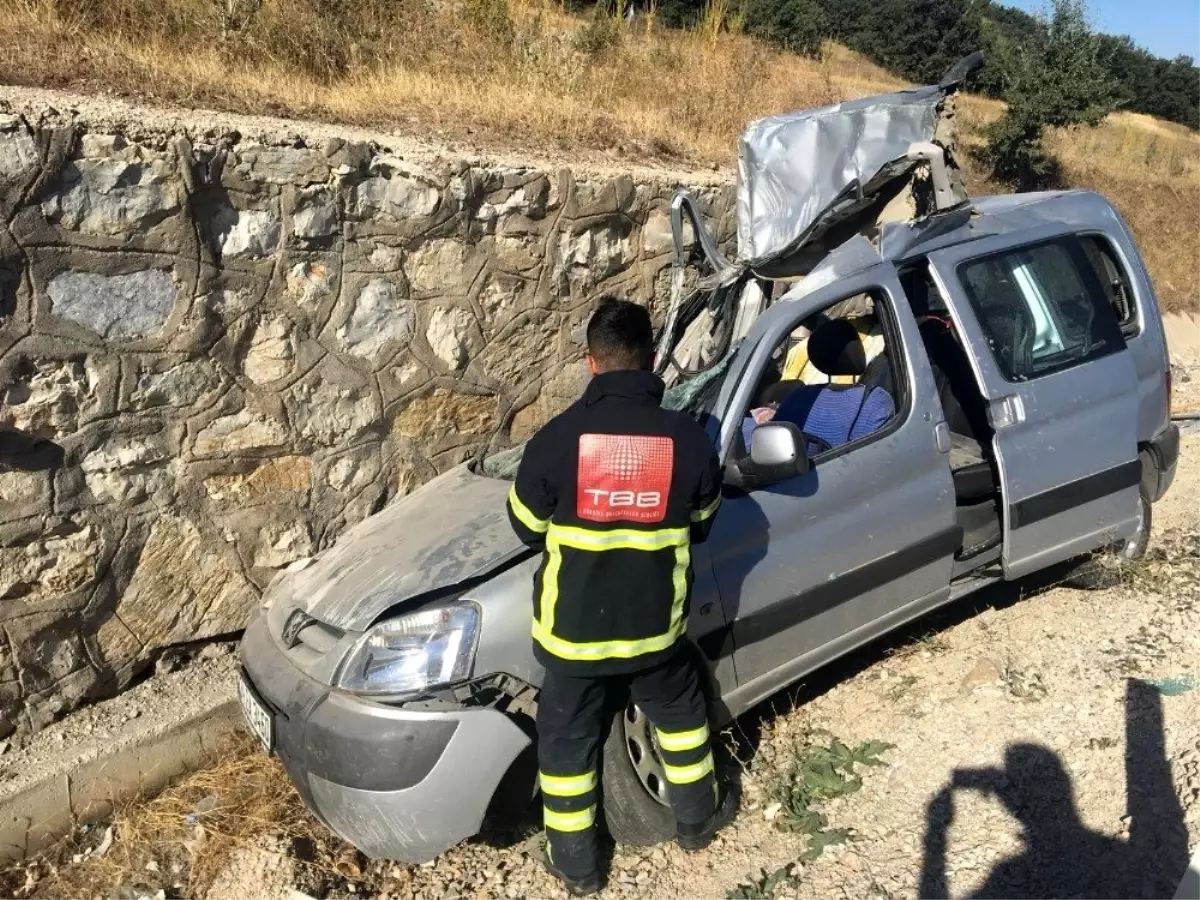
point(1129, 549)
point(642, 749)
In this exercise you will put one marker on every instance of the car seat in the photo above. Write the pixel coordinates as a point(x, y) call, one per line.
point(879, 373)
point(834, 414)
point(799, 367)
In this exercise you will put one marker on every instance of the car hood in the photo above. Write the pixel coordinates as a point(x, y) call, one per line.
point(450, 530)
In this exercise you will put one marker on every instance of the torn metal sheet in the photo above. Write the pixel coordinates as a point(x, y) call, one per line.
point(988, 216)
point(793, 168)
point(808, 182)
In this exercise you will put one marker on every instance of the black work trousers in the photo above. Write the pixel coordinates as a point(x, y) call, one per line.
point(570, 723)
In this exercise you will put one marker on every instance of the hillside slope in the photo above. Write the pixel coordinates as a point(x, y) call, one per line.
point(530, 75)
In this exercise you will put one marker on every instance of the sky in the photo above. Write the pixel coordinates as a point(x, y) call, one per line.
point(1164, 27)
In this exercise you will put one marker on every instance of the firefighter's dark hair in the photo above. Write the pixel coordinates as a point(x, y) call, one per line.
point(619, 335)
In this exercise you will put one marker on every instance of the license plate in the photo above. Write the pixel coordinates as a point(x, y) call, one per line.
point(258, 717)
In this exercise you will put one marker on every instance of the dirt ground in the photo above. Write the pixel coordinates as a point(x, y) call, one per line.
point(1183, 338)
point(1044, 744)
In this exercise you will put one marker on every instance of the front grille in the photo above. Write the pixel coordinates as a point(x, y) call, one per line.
point(307, 642)
point(319, 637)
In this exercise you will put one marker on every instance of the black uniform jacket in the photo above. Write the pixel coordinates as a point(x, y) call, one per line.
point(615, 490)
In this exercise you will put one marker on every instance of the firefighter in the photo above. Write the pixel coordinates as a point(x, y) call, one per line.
point(614, 491)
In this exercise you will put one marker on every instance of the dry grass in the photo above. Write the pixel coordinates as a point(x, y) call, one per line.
point(531, 74)
point(524, 74)
point(184, 836)
point(1150, 169)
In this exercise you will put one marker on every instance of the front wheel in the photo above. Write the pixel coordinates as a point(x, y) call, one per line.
point(1110, 568)
point(636, 808)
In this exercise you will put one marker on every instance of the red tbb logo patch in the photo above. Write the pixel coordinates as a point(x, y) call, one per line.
point(624, 477)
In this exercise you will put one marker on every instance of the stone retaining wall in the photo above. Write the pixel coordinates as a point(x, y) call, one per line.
point(236, 350)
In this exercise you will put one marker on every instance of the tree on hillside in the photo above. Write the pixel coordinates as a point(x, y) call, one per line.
point(797, 25)
point(935, 35)
point(1132, 68)
point(1000, 23)
point(1058, 76)
point(1176, 96)
point(917, 39)
point(920, 39)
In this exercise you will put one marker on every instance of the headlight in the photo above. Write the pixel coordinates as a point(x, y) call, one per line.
point(414, 652)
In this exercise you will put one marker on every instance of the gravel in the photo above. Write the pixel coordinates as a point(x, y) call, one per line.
point(1045, 744)
point(201, 677)
point(1033, 756)
point(1183, 338)
point(155, 124)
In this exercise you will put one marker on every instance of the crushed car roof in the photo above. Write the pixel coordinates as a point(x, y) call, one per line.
point(799, 170)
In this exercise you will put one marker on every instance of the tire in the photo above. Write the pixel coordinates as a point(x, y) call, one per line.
point(1109, 568)
point(633, 813)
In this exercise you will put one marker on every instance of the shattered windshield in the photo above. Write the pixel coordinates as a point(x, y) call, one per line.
point(697, 396)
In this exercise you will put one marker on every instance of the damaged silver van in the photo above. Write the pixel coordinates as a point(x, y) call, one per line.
point(1010, 370)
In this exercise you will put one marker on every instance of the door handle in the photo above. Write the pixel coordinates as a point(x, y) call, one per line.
point(941, 436)
point(1006, 411)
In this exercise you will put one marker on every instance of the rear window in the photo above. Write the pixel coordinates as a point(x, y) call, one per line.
point(1042, 308)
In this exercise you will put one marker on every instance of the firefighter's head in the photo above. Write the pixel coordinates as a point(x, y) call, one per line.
point(619, 336)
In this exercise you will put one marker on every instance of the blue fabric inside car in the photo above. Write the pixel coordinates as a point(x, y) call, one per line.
point(837, 414)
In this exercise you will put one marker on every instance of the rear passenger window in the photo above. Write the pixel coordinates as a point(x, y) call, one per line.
point(1042, 308)
point(1114, 280)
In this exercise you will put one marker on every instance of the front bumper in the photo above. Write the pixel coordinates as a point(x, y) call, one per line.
point(396, 783)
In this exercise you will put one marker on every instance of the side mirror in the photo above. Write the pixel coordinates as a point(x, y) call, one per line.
point(778, 451)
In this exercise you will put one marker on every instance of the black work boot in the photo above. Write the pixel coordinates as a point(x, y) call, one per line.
point(697, 837)
point(577, 885)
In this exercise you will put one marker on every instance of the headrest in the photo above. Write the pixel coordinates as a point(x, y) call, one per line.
point(836, 348)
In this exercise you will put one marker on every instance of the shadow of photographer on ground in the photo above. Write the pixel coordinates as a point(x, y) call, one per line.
point(1062, 857)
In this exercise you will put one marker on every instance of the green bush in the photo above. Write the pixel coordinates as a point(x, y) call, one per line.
point(491, 17)
point(603, 29)
point(797, 25)
point(1057, 77)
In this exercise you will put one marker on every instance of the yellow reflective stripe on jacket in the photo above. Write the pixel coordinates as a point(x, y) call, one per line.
point(675, 741)
point(595, 650)
point(524, 514)
point(688, 774)
point(550, 586)
point(596, 540)
point(683, 558)
point(708, 512)
point(616, 539)
point(567, 785)
point(572, 821)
